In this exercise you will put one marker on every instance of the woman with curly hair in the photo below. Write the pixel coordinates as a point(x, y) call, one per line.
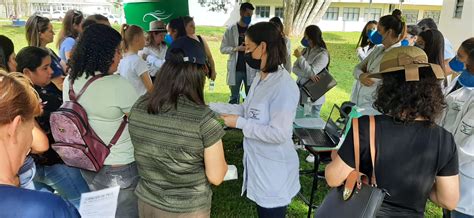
point(416, 159)
point(107, 100)
point(72, 27)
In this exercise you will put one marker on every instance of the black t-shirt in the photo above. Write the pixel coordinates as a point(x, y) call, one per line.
point(240, 58)
point(409, 157)
point(52, 99)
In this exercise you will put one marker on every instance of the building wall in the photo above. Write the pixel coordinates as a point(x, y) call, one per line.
point(457, 29)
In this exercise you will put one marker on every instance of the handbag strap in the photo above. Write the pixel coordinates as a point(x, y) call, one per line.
point(72, 94)
point(355, 127)
point(373, 151)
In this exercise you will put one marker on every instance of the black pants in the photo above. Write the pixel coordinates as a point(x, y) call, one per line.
point(277, 212)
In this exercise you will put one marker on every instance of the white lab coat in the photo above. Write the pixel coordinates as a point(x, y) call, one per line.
point(229, 42)
point(458, 118)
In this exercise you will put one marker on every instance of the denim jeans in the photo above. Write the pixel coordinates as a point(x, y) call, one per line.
point(125, 176)
point(67, 181)
point(271, 212)
point(240, 77)
point(26, 178)
point(456, 214)
point(316, 110)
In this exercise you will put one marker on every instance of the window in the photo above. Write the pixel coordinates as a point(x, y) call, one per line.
point(351, 14)
point(331, 14)
point(458, 8)
point(411, 16)
point(372, 14)
point(432, 14)
point(262, 11)
point(279, 12)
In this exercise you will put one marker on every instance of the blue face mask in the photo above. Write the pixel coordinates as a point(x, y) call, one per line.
point(305, 42)
point(405, 42)
point(456, 64)
point(466, 79)
point(375, 37)
point(168, 39)
point(247, 20)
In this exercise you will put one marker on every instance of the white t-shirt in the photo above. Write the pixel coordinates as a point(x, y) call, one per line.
point(131, 68)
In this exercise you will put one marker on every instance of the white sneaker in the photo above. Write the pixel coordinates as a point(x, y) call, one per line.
point(310, 158)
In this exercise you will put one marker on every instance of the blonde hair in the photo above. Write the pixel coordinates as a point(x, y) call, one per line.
point(35, 25)
point(17, 98)
point(128, 33)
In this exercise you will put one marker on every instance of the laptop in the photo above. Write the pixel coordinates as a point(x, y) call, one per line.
point(327, 137)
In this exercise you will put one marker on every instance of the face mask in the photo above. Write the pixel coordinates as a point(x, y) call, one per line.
point(252, 62)
point(456, 64)
point(405, 42)
point(168, 39)
point(466, 79)
point(375, 37)
point(247, 20)
point(305, 42)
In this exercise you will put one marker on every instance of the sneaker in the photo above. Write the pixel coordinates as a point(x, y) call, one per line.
point(310, 158)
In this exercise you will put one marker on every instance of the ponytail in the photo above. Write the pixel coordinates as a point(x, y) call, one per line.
point(394, 23)
point(128, 33)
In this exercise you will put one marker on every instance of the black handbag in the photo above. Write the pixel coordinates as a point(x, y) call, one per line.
point(356, 198)
point(315, 90)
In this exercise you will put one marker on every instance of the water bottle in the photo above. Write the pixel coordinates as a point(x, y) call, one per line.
point(307, 107)
point(211, 85)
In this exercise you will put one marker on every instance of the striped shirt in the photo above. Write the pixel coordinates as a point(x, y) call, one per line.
point(169, 151)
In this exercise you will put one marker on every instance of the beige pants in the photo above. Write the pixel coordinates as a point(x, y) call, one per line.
point(147, 211)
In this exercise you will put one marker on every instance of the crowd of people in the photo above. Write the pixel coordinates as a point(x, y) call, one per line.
point(171, 151)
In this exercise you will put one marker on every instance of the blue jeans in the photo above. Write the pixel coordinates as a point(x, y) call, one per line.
point(316, 110)
point(125, 176)
point(456, 214)
point(67, 181)
point(240, 77)
point(26, 178)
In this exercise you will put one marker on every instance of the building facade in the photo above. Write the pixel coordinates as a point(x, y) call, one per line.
point(342, 15)
point(456, 22)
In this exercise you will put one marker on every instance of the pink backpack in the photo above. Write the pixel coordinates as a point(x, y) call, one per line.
point(75, 141)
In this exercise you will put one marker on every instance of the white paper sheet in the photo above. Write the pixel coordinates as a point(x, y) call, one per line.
point(316, 123)
point(231, 173)
point(102, 203)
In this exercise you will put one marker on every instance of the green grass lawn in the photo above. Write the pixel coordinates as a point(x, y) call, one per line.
point(227, 201)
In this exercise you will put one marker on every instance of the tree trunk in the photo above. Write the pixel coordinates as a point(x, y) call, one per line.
point(301, 13)
point(289, 11)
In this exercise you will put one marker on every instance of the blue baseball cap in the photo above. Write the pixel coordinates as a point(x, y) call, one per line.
point(192, 49)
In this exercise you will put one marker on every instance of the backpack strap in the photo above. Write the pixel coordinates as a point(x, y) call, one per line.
point(73, 96)
point(119, 132)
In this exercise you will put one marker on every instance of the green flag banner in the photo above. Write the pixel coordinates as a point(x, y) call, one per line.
point(142, 12)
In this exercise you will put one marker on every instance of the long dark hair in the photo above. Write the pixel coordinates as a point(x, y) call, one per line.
point(276, 48)
point(30, 58)
point(176, 78)
point(95, 51)
point(72, 17)
point(315, 34)
point(406, 101)
point(434, 46)
point(278, 24)
point(364, 37)
point(468, 47)
point(394, 23)
point(6, 50)
point(182, 27)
